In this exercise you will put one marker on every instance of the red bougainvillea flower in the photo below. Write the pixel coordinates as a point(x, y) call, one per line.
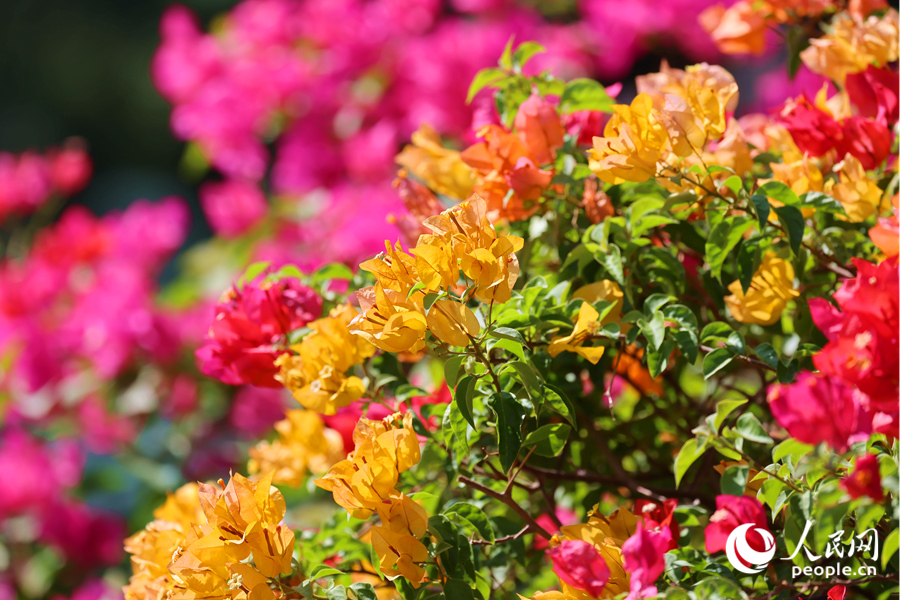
point(660, 515)
point(874, 93)
point(838, 592)
point(732, 512)
point(820, 409)
point(867, 139)
point(865, 479)
point(250, 329)
point(580, 565)
point(814, 131)
point(643, 556)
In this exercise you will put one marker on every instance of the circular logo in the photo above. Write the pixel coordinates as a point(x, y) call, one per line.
point(740, 554)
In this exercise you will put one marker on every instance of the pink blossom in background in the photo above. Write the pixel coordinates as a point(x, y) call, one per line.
point(233, 206)
point(86, 536)
point(254, 410)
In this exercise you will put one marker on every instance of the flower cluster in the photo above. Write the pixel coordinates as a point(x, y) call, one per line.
point(304, 444)
point(394, 317)
point(365, 482)
point(316, 370)
point(209, 542)
point(250, 330)
point(856, 389)
point(29, 180)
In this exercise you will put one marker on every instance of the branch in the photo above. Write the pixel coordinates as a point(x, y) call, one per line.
point(507, 499)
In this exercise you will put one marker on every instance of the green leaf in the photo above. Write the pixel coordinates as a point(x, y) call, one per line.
point(612, 260)
point(725, 408)
point(787, 372)
point(734, 183)
point(767, 354)
point(462, 398)
point(780, 191)
point(890, 547)
point(559, 402)
point(457, 589)
point(253, 271)
point(657, 360)
point(484, 78)
point(734, 480)
point(749, 428)
point(527, 375)
point(429, 300)
point(512, 347)
point(452, 368)
point(654, 302)
point(333, 271)
point(762, 209)
point(336, 592)
point(792, 220)
point(475, 517)
point(506, 56)
point(715, 361)
point(749, 258)
point(322, 571)
point(717, 330)
point(655, 330)
point(790, 447)
point(688, 454)
point(363, 591)
point(524, 53)
point(418, 286)
point(548, 440)
point(509, 426)
point(585, 94)
point(821, 201)
point(507, 333)
point(722, 240)
point(735, 343)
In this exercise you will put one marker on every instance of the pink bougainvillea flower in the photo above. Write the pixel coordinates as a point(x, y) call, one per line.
point(580, 565)
point(232, 206)
point(250, 329)
point(564, 515)
point(814, 131)
point(874, 93)
point(660, 515)
point(865, 480)
point(867, 139)
point(732, 512)
point(838, 592)
point(817, 409)
point(643, 555)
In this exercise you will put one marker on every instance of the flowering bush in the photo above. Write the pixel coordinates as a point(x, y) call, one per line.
point(610, 350)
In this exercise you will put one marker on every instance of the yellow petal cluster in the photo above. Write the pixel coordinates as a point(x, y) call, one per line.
point(365, 483)
point(366, 478)
point(858, 194)
point(771, 288)
point(462, 239)
point(208, 542)
point(316, 370)
point(588, 324)
point(676, 113)
point(303, 444)
point(854, 45)
point(440, 168)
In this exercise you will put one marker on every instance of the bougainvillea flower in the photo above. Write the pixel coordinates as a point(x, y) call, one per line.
point(389, 320)
point(632, 143)
point(739, 29)
point(606, 534)
point(538, 126)
point(398, 554)
point(659, 515)
point(814, 131)
point(452, 322)
point(644, 559)
point(588, 324)
point(886, 235)
point(820, 409)
point(580, 565)
point(866, 139)
point(865, 480)
point(232, 207)
point(851, 46)
point(838, 592)
point(771, 288)
point(874, 94)
point(441, 169)
point(731, 512)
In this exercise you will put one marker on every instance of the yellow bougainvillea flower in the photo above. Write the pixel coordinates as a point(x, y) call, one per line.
point(587, 324)
point(440, 168)
point(390, 320)
point(366, 478)
point(404, 515)
point(398, 554)
point(151, 548)
point(632, 143)
point(603, 290)
point(304, 443)
point(852, 46)
point(316, 372)
point(394, 269)
point(452, 322)
point(435, 263)
point(771, 288)
point(858, 194)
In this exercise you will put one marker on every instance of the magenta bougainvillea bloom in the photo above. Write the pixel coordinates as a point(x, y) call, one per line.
point(643, 555)
point(817, 409)
point(865, 480)
point(580, 565)
point(660, 515)
point(232, 206)
point(250, 330)
point(731, 512)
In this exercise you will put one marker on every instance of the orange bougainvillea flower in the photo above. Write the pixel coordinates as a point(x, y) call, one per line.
point(739, 29)
point(540, 129)
point(633, 142)
point(628, 364)
point(886, 235)
point(440, 168)
point(588, 324)
point(853, 45)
